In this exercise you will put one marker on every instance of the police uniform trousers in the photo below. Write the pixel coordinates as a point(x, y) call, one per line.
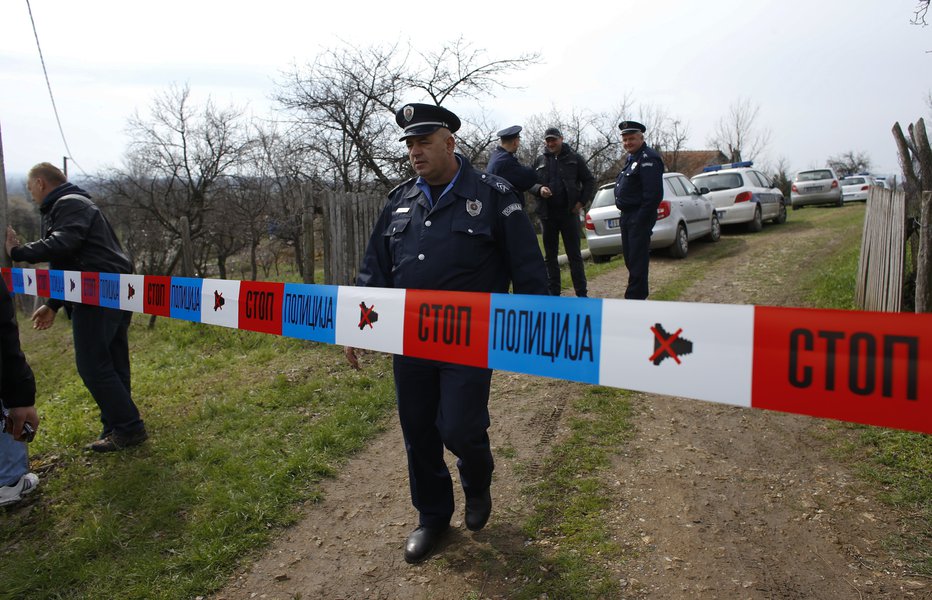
point(565, 224)
point(636, 227)
point(443, 404)
point(101, 351)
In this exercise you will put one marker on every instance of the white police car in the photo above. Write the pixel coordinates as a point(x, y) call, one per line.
point(742, 194)
point(684, 215)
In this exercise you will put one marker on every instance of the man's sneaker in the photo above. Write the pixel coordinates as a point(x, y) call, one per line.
point(10, 494)
point(115, 441)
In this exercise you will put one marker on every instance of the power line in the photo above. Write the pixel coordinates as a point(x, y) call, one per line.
point(49, 85)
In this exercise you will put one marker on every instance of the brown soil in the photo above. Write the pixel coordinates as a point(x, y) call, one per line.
point(711, 501)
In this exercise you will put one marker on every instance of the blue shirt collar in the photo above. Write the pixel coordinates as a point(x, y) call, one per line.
point(425, 187)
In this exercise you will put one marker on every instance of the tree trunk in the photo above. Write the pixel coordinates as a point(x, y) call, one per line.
point(307, 229)
point(253, 261)
point(924, 258)
point(187, 251)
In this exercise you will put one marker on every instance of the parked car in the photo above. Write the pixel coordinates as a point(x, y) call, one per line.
point(856, 187)
point(684, 215)
point(816, 186)
point(742, 194)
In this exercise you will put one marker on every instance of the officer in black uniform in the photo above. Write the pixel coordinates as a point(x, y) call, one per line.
point(638, 192)
point(504, 163)
point(450, 228)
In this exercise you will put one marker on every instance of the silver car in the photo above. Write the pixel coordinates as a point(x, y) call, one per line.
point(816, 186)
point(684, 215)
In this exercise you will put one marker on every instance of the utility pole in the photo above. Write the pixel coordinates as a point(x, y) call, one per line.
point(64, 160)
point(4, 259)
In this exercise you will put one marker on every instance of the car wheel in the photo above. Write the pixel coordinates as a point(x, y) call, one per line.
point(756, 224)
point(715, 233)
point(781, 215)
point(841, 202)
point(601, 258)
point(681, 244)
point(800, 207)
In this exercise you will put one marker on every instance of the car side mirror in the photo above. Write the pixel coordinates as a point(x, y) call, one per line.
point(703, 190)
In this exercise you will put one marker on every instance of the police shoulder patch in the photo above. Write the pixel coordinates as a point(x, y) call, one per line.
point(511, 208)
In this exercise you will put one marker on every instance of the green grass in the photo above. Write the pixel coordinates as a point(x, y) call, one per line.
point(243, 427)
point(570, 506)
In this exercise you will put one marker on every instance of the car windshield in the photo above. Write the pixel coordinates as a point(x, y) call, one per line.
point(604, 197)
point(719, 181)
point(852, 181)
point(813, 175)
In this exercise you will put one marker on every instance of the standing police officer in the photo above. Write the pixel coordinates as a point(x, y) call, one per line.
point(504, 163)
point(450, 228)
point(638, 192)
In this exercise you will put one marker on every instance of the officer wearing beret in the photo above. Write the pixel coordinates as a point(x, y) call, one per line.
point(638, 192)
point(450, 228)
point(504, 163)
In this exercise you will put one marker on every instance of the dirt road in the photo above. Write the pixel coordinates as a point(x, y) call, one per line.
point(710, 501)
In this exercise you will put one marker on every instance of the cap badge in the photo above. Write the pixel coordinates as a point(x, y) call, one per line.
point(473, 207)
point(409, 112)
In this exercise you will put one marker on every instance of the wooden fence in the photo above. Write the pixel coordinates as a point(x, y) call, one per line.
point(883, 252)
point(348, 222)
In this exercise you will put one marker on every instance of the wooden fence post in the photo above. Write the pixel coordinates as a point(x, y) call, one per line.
point(924, 256)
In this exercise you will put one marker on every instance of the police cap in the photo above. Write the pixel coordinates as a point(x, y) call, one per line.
point(509, 132)
point(424, 119)
point(631, 127)
point(552, 132)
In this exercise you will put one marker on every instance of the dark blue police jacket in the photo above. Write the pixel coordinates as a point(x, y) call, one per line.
point(476, 238)
point(504, 164)
point(640, 182)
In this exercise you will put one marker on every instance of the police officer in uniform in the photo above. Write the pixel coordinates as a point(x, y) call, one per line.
point(638, 192)
point(450, 228)
point(504, 163)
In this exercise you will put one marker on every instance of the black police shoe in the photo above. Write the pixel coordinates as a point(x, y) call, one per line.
point(478, 509)
point(421, 542)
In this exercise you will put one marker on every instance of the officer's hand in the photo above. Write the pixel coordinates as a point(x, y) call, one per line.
point(545, 192)
point(43, 317)
point(17, 417)
point(12, 239)
point(350, 354)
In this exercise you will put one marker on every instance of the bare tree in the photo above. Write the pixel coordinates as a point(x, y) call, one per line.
point(849, 163)
point(919, 14)
point(343, 104)
point(177, 157)
point(737, 134)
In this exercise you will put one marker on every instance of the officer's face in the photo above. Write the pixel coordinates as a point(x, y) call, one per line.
point(432, 156)
point(554, 144)
point(632, 141)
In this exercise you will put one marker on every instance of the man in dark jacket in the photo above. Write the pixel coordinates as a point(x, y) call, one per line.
point(79, 238)
point(18, 397)
point(570, 186)
point(458, 229)
point(505, 164)
point(638, 193)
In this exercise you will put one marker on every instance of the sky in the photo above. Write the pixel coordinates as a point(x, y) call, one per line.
point(828, 76)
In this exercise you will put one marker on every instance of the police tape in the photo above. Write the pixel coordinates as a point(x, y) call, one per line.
point(862, 367)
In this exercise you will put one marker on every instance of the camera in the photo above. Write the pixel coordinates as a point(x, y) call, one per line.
point(29, 433)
